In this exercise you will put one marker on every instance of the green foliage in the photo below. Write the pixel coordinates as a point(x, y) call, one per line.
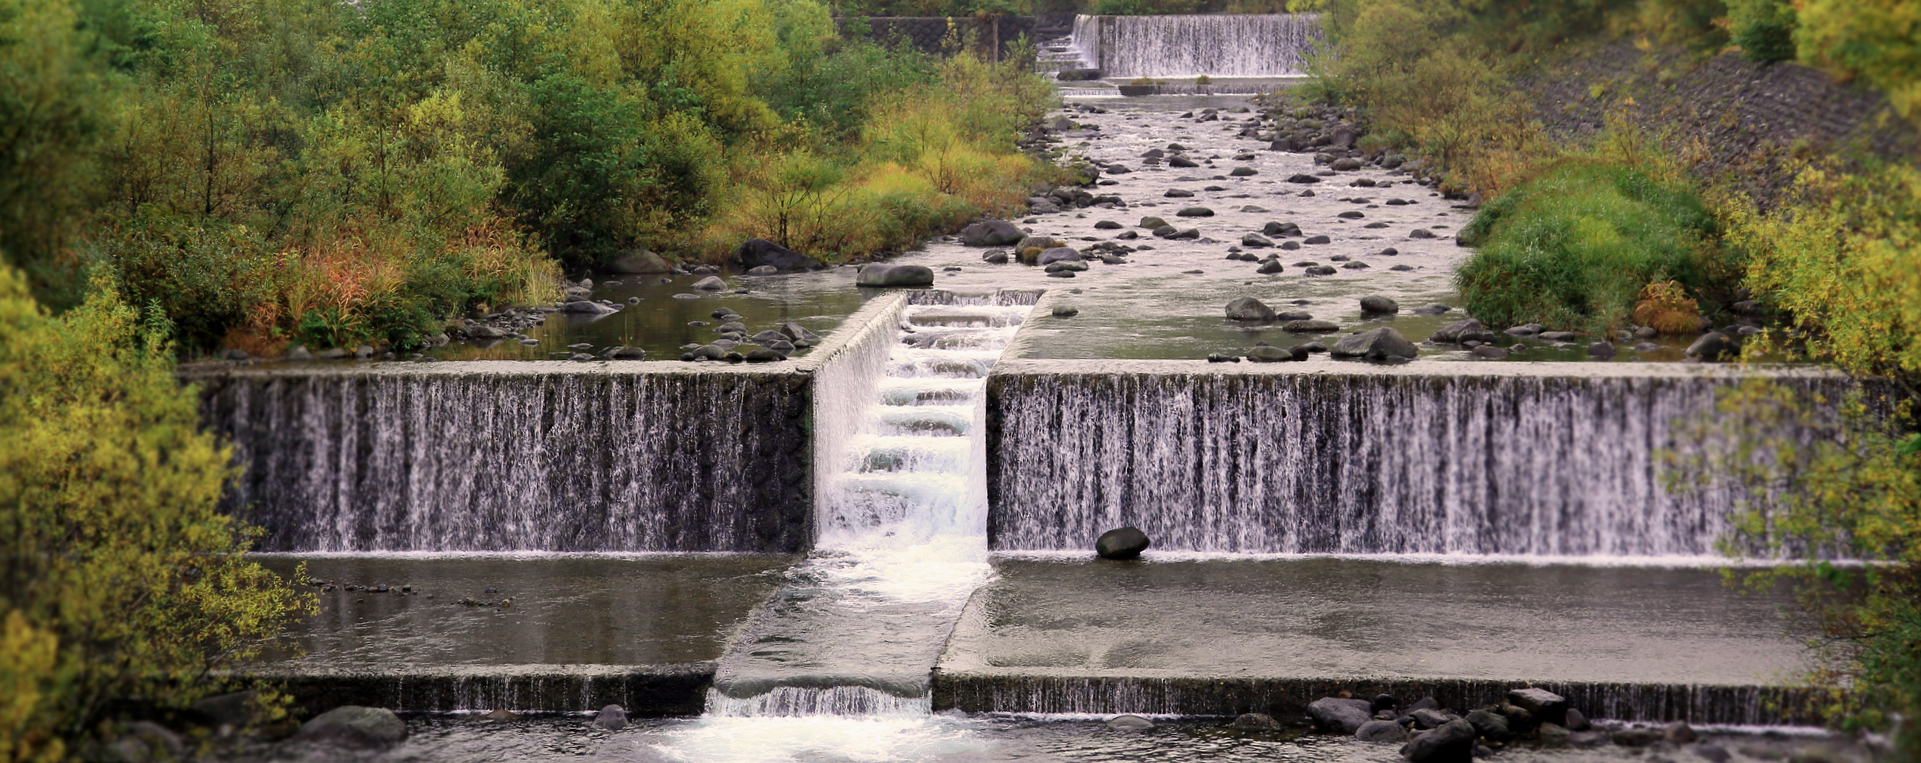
point(1843, 257)
point(1575, 248)
point(1824, 483)
point(1764, 29)
point(121, 577)
point(50, 103)
point(1877, 40)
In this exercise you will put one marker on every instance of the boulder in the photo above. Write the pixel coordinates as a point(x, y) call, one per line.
point(1713, 345)
point(762, 270)
point(887, 276)
point(369, 728)
point(1381, 732)
point(1058, 254)
point(711, 283)
point(995, 257)
point(1195, 212)
point(1249, 309)
point(1255, 722)
point(1453, 742)
point(756, 252)
point(991, 233)
point(1462, 331)
point(611, 718)
point(638, 262)
point(1077, 75)
point(1544, 705)
point(1311, 327)
point(1490, 726)
point(1336, 714)
point(1268, 354)
point(585, 307)
point(798, 333)
point(1121, 543)
point(1429, 717)
point(1374, 344)
point(1255, 240)
point(1380, 305)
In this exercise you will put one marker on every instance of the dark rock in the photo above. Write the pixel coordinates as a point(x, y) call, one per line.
point(1602, 350)
point(638, 261)
point(1303, 179)
point(584, 307)
point(1381, 732)
point(1679, 732)
point(1713, 345)
point(1107, 225)
point(1152, 223)
point(1321, 270)
point(1255, 722)
point(1378, 304)
point(1256, 241)
point(1710, 753)
point(995, 256)
point(1352, 214)
point(1269, 267)
point(1424, 703)
point(755, 252)
point(1077, 75)
point(1374, 344)
point(1057, 254)
point(1281, 229)
point(1178, 193)
point(991, 233)
point(1420, 233)
point(626, 353)
point(1181, 161)
point(1462, 331)
point(1121, 543)
point(1429, 717)
point(611, 718)
point(1335, 714)
point(1268, 354)
point(1311, 327)
point(1195, 212)
point(1490, 726)
point(1639, 736)
point(1452, 742)
point(1546, 706)
point(762, 270)
point(1384, 702)
point(1576, 721)
point(354, 726)
point(710, 283)
point(1552, 735)
point(887, 276)
point(299, 354)
point(1316, 240)
point(1489, 352)
point(1345, 164)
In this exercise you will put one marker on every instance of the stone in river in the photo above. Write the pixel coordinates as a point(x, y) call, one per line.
point(895, 275)
point(1121, 543)
point(1249, 309)
point(1337, 714)
point(611, 718)
point(1374, 344)
point(1196, 212)
point(1379, 304)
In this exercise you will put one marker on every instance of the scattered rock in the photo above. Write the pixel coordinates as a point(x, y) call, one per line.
point(1064, 310)
point(1679, 732)
point(1381, 732)
point(995, 256)
point(755, 252)
point(991, 233)
point(1552, 735)
point(1195, 212)
point(1544, 705)
point(1489, 352)
point(1490, 726)
point(1337, 714)
point(1121, 543)
point(637, 262)
point(1256, 241)
point(1576, 721)
point(889, 276)
point(710, 283)
point(1255, 722)
point(611, 718)
point(1268, 354)
point(1601, 350)
point(1311, 327)
point(1057, 254)
point(762, 270)
point(1304, 179)
point(1712, 346)
point(355, 726)
point(584, 307)
point(1374, 344)
point(1452, 742)
point(1638, 736)
point(1379, 304)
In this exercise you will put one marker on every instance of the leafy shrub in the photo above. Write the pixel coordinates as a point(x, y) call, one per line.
point(1764, 29)
point(1666, 307)
point(1574, 248)
point(122, 577)
point(1878, 40)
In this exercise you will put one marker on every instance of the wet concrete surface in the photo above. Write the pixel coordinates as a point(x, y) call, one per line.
point(1331, 620)
point(475, 611)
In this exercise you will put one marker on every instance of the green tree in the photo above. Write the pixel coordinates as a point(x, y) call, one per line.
point(119, 576)
point(1764, 29)
point(50, 101)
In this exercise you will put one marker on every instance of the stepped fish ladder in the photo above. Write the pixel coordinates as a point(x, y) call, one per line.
point(901, 507)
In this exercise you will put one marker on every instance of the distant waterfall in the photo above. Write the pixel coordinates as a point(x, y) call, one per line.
point(1187, 46)
point(1346, 463)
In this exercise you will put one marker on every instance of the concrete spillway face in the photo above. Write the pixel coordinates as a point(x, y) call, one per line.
point(1220, 45)
point(900, 517)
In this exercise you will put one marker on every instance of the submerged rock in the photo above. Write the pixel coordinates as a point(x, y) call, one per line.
point(611, 718)
point(355, 726)
point(1121, 543)
point(1130, 723)
point(1254, 722)
point(895, 276)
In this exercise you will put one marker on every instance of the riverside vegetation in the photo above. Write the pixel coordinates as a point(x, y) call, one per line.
point(1625, 232)
point(181, 177)
point(266, 172)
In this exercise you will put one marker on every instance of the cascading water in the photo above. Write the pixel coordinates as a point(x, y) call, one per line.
point(858, 626)
point(1221, 45)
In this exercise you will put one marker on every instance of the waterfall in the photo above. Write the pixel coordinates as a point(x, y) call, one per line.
point(1221, 45)
point(1353, 463)
point(517, 456)
point(900, 509)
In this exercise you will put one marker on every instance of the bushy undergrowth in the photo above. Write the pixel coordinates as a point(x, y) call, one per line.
point(119, 577)
point(1578, 247)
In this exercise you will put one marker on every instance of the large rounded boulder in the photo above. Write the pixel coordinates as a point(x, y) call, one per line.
point(369, 728)
point(891, 276)
point(1122, 543)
